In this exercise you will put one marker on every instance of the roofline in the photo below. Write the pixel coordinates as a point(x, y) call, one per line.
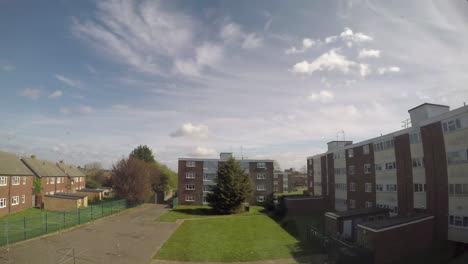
point(37, 174)
point(395, 226)
point(250, 160)
point(423, 104)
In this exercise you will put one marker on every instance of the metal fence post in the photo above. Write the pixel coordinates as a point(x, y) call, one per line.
point(45, 222)
point(24, 227)
point(79, 218)
point(102, 209)
point(92, 212)
point(64, 220)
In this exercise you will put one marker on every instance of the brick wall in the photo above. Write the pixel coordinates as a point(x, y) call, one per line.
point(61, 204)
point(10, 190)
point(331, 181)
point(404, 174)
point(310, 176)
point(267, 182)
point(198, 182)
point(359, 177)
point(305, 205)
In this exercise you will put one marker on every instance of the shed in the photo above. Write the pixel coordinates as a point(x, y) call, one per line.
point(65, 201)
point(93, 194)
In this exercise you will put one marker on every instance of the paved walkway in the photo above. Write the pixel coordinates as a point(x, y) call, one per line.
point(132, 236)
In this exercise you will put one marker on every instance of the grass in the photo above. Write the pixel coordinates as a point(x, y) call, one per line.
point(230, 239)
point(188, 211)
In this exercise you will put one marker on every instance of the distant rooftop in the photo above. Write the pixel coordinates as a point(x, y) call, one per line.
point(356, 212)
point(72, 196)
point(395, 221)
point(11, 165)
point(43, 168)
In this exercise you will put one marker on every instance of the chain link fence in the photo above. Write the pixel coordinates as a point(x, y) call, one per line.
point(47, 222)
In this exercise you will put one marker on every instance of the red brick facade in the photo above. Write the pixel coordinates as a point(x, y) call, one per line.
point(404, 174)
point(197, 193)
point(23, 189)
point(359, 177)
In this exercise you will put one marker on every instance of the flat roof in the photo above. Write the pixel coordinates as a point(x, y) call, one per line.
point(356, 212)
point(439, 105)
point(396, 222)
point(73, 196)
point(90, 190)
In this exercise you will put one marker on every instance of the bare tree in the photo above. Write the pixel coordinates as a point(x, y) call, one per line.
point(131, 180)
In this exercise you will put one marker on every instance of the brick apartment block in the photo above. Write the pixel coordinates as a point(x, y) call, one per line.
point(419, 173)
point(196, 178)
point(16, 182)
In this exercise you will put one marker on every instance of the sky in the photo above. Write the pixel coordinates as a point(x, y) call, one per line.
point(88, 81)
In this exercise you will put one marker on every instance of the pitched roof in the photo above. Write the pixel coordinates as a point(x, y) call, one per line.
point(70, 170)
point(12, 165)
point(44, 168)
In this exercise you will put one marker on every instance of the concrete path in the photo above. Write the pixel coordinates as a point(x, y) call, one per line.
point(132, 236)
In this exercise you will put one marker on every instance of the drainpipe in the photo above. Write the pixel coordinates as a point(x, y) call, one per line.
point(9, 193)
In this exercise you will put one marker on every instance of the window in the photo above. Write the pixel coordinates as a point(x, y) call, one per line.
point(189, 198)
point(350, 153)
point(365, 149)
point(3, 202)
point(369, 204)
point(458, 189)
point(24, 180)
point(383, 145)
point(207, 188)
point(378, 167)
point(190, 175)
point(418, 187)
point(352, 204)
point(3, 181)
point(15, 180)
point(260, 187)
point(340, 171)
point(451, 125)
point(261, 176)
point(23, 198)
point(14, 200)
point(261, 165)
point(417, 162)
point(458, 221)
point(52, 180)
point(352, 187)
point(367, 168)
point(391, 187)
point(390, 165)
point(456, 156)
point(260, 198)
point(379, 187)
point(190, 187)
point(415, 138)
point(190, 163)
point(310, 162)
point(351, 169)
point(368, 187)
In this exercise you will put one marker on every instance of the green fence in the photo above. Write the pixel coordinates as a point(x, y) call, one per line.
point(47, 222)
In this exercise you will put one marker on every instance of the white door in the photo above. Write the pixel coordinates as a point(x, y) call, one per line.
point(347, 228)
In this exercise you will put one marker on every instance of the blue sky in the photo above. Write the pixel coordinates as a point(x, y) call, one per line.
point(88, 81)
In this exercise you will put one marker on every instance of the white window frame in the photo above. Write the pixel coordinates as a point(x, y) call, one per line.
point(352, 204)
point(261, 165)
point(3, 202)
point(261, 187)
point(190, 187)
point(369, 204)
point(189, 198)
point(23, 198)
point(463, 220)
point(351, 169)
point(350, 153)
point(52, 180)
point(368, 187)
point(451, 125)
point(190, 175)
point(417, 162)
point(261, 176)
point(15, 180)
point(14, 200)
point(260, 198)
point(24, 180)
point(190, 163)
point(391, 188)
point(3, 180)
point(352, 186)
point(367, 168)
point(366, 149)
point(390, 165)
point(379, 187)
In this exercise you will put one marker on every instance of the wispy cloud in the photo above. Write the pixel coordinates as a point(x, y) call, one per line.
point(85, 109)
point(306, 44)
point(120, 106)
point(68, 81)
point(31, 93)
point(390, 69)
point(56, 94)
point(232, 33)
point(323, 96)
point(369, 53)
point(202, 152)
point(329, 61)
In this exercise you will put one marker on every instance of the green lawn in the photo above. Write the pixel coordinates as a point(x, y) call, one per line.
point(188, 211)
point(30, 212)
point(229, 239)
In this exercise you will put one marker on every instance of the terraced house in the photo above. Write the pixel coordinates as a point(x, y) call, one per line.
point(197, 177)
point(16, 182)
point(76, 178)
point(419, 174)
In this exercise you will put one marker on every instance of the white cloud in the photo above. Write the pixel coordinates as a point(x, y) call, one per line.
point(85, 109)
point(369, 53)
point(306, 44)
point(31, 93)
point(252, 41)
point(208, 54)
point(364, 69)
point(191, 130)
point(349, 37)
point(56, 94)
point(202, 152)
point(392, 69)
point(328, 61)
point(65, 110)
point(68, 81)
point(120, 106)
point(324, 96)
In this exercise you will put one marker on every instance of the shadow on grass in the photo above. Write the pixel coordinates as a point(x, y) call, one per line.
point(196, 211)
